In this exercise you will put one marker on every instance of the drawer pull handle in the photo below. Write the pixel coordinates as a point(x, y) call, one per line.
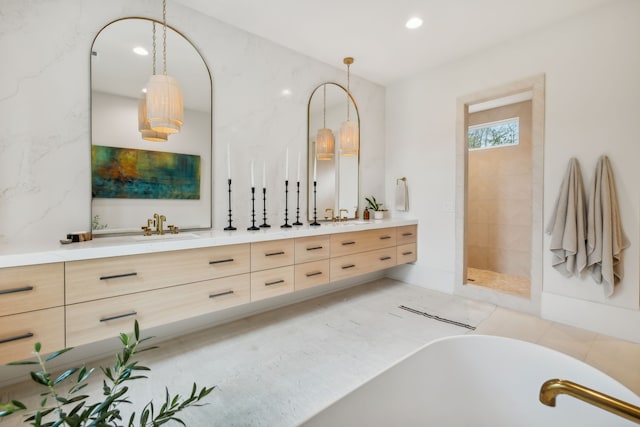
point(385, 237)
point(16, 290)
point(16, 338)
point(348, 243)
point(315, 273)
point(274, 253)
point(407, 234)
point(221, 261)
point(407, 253)
point(274, 283)
point(118, 276)
point(119, 316)
point(344, 267)
point(385, 258)
point(221, 294)
point(315, 248)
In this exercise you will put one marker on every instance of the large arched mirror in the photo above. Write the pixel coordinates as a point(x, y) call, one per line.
point(337, 175)
point(134, 178)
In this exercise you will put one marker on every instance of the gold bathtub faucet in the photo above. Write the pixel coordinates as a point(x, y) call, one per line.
point(552, 388)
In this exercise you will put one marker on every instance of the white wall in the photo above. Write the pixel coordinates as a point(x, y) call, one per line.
point(44, 104)
point(592, 64)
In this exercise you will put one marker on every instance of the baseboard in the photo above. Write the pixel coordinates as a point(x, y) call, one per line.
point(605, 319)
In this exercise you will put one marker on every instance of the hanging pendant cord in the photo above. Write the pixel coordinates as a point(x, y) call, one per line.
point(324, 108)
point(348, 86)
point(154, 47)
point(164, 37)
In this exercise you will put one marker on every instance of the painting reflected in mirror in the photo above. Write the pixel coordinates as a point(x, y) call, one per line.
point(336, 175)
point(133, 178)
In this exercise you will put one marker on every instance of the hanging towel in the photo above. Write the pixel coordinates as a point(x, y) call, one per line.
point(567, 226)
point(605, 238)
point(402, 195)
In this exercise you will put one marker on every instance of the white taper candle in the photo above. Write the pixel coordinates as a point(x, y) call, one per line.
point(264, 174)
point(228, 161)
point(252, 182)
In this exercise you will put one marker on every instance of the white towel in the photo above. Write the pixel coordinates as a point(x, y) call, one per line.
point(567, 226)
point(402, 195)
point(605, 238)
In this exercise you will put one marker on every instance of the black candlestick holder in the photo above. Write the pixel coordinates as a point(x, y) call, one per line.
point(286, 205)
point(315, 218)
point(253, 210)
point(298, 205)
point(230, 227)
point(264, 209)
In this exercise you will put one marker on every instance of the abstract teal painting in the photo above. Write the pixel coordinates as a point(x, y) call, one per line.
point(127, 173)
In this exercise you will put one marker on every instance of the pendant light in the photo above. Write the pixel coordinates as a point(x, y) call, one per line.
point(144, 127)
point(349, 133)
point(165, 109)
point(325, 142)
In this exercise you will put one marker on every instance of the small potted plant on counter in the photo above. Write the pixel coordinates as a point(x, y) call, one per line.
point(372, 204)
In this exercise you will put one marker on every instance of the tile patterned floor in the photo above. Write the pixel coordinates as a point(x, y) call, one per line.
point(501, 282)
point(280, 367)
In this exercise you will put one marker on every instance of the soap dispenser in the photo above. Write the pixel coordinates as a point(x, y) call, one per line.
point(366, 215)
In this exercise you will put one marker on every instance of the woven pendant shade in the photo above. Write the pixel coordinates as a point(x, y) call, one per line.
point(349, 132)
point(143, 124)
point(325, 144)
point(165, 110)
point(349, 139)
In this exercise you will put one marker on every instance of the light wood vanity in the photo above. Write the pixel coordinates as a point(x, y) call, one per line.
point(79, 301)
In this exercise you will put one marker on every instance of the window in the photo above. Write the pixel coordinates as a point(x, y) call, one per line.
point(494, 134)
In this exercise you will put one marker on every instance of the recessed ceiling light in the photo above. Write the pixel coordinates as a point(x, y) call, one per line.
point(286, 92)
point(413, 23)
point(140, 51)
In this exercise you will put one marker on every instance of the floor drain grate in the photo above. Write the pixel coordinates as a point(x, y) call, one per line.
point(439, 319)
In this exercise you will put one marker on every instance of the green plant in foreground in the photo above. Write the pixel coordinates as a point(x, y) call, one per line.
point(373, 203)
point(72, 408)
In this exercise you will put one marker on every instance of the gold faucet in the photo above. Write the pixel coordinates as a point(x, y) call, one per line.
point(551, 388)
point(159, 221)
point(340, 217)
point(332, 217)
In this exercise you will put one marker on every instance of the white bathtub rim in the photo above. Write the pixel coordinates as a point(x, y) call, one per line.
point(459, 337)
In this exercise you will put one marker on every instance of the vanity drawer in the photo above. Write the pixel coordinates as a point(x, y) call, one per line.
point(362, 263)
point(273, 254)
point(19, 332)
point(407, 234)
point(107, 318)
point(312, 248)
point(270, 283)
point(31, 287)
point(312, 274)
point(360, 241)
point(107, 277)
point(407, 253)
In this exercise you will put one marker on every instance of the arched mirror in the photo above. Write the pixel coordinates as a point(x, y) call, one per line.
point(133, 178)
point(336, 172)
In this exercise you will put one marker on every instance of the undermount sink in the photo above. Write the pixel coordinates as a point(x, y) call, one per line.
point(168, 236)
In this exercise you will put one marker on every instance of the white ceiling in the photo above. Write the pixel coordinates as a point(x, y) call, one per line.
point(373, 31)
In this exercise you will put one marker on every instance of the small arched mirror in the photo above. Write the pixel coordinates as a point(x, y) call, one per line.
point(133, 178)
point(336, 172)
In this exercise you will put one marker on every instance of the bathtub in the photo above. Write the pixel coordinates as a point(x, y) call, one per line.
point(475, 380)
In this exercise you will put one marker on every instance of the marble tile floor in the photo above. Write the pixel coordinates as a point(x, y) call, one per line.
point(280, 367)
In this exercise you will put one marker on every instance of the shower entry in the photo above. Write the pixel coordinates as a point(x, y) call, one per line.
point(499, 194)
point(499, 184)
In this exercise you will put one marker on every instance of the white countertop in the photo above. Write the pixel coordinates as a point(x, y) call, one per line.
point(101, 247)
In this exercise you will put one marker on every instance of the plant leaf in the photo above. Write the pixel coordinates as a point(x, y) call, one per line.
point(65, 375)
point(57, 353)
